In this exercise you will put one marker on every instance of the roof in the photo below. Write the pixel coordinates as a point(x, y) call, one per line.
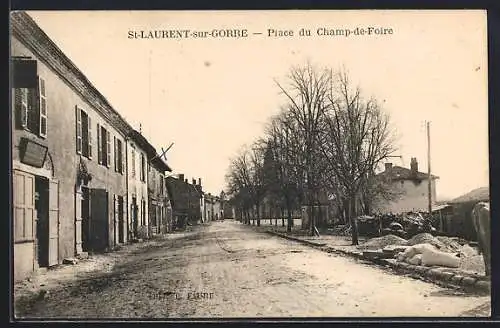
point(183, 196)
point(160, 164)
point(26, 30)
point(476, 195)
point(142, 142)
point(402, 173)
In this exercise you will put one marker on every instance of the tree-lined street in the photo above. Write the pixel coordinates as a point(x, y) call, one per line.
point(227, 269)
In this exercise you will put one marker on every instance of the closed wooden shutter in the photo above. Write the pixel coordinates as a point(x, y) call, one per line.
point(115, 148)
point(53, 223)
point(33, 110)
point(116, 216)
point(24, 206)
point(108, 149)
point(122, 156)
point(21, 107)
point(89, 129)
point(99, 144)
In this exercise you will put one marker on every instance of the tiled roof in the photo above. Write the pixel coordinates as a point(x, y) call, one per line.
point(402, 173)
point(183, 196)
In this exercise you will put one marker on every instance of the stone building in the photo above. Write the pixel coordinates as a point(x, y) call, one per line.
point(68, 156)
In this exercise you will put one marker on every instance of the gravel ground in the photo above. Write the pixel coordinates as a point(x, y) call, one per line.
point(229, 270)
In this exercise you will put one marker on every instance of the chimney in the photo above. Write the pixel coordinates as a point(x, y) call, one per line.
point(194, 182)
point(181, 177)
point(414, 165)
point(199, 181)
point(388, 167)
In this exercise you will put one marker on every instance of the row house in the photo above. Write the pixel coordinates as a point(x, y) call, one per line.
point(185, 199)
point(79, 170)
point(160, 209)
point(139, 151)
point(212, 207)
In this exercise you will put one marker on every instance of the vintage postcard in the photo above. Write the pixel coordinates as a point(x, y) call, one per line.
point(249, 164)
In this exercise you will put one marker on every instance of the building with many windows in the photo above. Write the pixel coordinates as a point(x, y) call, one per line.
point(79, 170)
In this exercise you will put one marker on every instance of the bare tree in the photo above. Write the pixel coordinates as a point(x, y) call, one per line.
point(356, 139)
point(307, 102)
point(284, 171)
point(245, 180)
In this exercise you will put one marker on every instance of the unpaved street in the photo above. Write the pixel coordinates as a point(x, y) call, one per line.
point(238, 272)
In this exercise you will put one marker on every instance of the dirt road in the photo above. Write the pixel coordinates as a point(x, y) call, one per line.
point(228, 270)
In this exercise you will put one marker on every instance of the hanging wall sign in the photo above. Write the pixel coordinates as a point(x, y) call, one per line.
point(32, 153)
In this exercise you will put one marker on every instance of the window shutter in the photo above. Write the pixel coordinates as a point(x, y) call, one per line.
point(43, 108)
point(33, 110)
point(108, 148)
point(122, 153)
point(132, 156)
point(89, 129)
point(115, 149)
point(78, 130)
point(99, 144)
point(21, 107)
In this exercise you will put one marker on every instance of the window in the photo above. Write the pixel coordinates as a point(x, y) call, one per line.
point(143, 168)
point(132, 158)
point(103, 146)
point(118, 146)
point(43, 108)
point(161, 185)
point(31, 109)
point(83, 133)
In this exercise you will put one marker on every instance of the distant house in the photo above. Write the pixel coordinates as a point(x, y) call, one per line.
point(139, 150)
point(185, 199)
point(160, 211)
point(409, 188)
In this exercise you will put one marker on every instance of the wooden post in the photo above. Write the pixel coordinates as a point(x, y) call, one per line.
point(429, 176)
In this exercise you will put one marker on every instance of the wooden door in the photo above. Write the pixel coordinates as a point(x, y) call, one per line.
point(121, 222)
point(53, 222)
point(24, 208)
point(99, 222)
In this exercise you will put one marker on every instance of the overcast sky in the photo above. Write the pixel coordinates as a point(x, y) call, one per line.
point(211, 96)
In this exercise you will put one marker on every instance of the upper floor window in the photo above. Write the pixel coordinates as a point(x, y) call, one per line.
point(119, 158)
point(132, 159)
point(31, 108)
point(83, 133)
point(161, 185)
point(104, 146)
point(143, 168)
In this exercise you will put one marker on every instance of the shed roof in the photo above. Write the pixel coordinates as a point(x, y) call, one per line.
point(476, 195)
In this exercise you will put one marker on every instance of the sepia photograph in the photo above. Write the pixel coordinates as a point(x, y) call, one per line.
point(249, 164)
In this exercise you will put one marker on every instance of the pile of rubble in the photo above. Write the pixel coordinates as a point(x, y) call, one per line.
point(424, 249)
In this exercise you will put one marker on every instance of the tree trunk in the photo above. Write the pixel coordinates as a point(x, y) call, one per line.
point(352, 217)
point(290, 221)
point(282, 217)
point(258, 215)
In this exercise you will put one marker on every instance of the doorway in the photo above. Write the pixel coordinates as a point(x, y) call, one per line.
point(85, 219)
point(42, 220)
point(134, 214)
point(121, 231)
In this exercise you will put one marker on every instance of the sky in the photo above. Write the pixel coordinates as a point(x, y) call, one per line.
point(210, 96)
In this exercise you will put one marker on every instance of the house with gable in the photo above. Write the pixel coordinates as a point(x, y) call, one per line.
point(409, 187)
